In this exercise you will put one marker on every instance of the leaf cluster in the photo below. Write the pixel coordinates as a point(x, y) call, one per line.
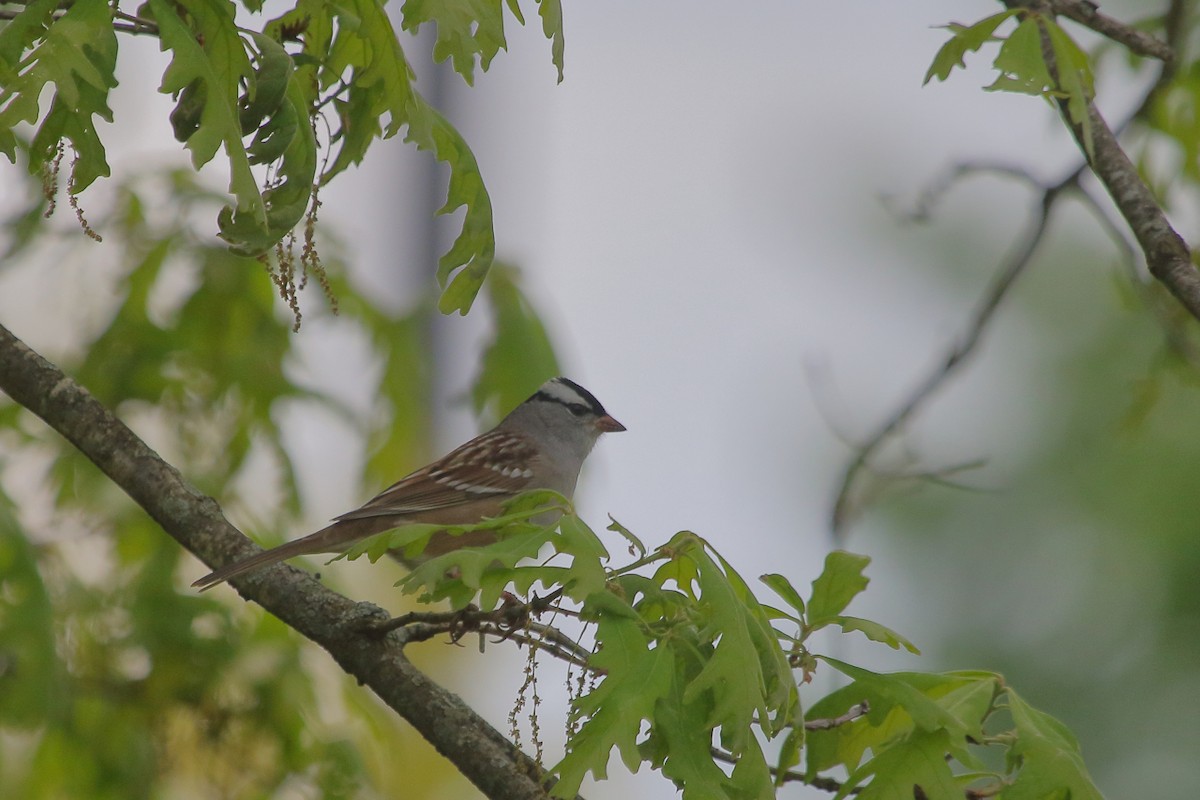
point(261, 93)
point(1037, 57)
point(689, 659)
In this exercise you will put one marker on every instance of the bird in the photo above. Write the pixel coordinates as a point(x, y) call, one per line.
point(541, 444)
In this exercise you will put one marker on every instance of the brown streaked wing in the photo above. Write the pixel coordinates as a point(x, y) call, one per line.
point(496, 464)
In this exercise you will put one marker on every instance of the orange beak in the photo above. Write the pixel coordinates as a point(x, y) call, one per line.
point(607, 424)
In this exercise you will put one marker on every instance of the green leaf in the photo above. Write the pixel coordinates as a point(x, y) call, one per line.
point(61, 123)
point(519, 355)
point(19, 33)
point(913, 767)
point(1051, 763)
point(680, 740)
point(789, 753)
point(752, 774)
point(219, 66)
point(836, 586)
point(77, 54)
point(969, 696)
point(474, 29)
point(410, 539)
point(1074, 78)
point(588, 555)
point(875, 632)
point(272, 70)
point(285, 139)
point(900, 704)
point(911, 691)
point(461, 270)
point(747, 675)
point(382, 84)
point(31, 675)
point(195, 362)
point(683, 571)
point(783, 587)
point(1020, 61)
point(466, 29)
point(965, 40)
point(635, 543)
point(636, 676)
point(459, 575)
point(398, 431)
point(552, 26)
point(653, 602)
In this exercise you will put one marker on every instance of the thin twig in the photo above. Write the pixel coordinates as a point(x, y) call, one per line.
point(507, 622)
point(932, 194)
point(561, 647)
point(134, 24)
point(341, 87)
point(1010, 269)
point(792, 776)
point(789, 776)
point(853, 713)
point(510, 614)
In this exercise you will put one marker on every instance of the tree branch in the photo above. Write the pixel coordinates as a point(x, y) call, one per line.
point(508, 622)
point(845, 505)
point(852, 713)
point(1167, 255)
point(478, 750)
point(1088, 14)
point(790, 776)
point(125, 23)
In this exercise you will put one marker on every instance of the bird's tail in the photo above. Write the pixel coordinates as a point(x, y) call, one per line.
point(326, 540)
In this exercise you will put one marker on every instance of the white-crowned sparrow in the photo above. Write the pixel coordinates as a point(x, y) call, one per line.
point(541, 444)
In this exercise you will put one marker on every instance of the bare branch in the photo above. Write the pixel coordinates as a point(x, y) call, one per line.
point(845, 505)
point(1167, 255)
point(1087, 13)
point(478, 750)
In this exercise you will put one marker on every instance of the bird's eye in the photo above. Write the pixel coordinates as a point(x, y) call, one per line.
point(578, 410)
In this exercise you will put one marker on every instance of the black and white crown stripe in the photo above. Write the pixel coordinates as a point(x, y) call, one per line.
point(577, 399)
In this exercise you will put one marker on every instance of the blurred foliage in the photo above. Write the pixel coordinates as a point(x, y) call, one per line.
point(1077, 580)
point(115, 680)
point(681, 653)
